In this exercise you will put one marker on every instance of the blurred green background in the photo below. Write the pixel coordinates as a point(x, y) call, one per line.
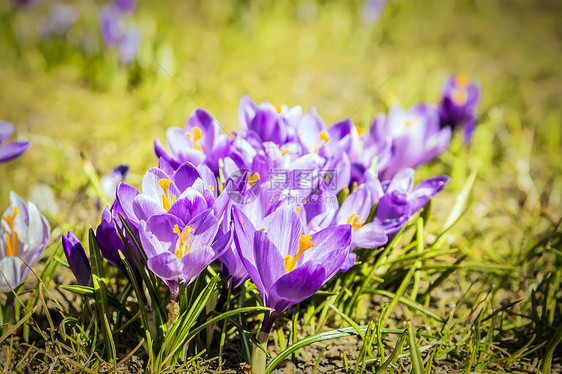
point(68, 94)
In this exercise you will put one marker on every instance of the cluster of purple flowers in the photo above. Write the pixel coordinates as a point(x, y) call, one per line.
point(116, 30)
point(286, 200)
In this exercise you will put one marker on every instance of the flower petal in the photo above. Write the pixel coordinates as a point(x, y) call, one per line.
point(12, 150)
point(165, 265)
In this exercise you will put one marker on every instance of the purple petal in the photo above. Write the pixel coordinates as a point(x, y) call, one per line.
point(296, 286)
point(12, 150)
point(145, 207)
point(269, 262)
point(77, 259)
point(12, 272)
point(244, 233)
point(125, 196)
point(188, 205)
point(194, 262)
point(165, 265)
point(6, 130)
point(185, 175)
point(331, 247)
point(371, 235)
point(284, 227)
point(426, 190)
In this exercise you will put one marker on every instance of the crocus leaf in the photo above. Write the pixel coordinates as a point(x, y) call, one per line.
point(137, 290)
point(100, 293)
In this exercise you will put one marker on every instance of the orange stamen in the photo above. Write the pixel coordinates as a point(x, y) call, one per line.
point(195, 137)
point(462, 80)
point(305, 243)
point(253, 178)
point(360, 130)
point(460, 96)
point(183, 247)
point(278, 108)
point(324, 136)
point(353, 221)
point(12, 238)
point(165, 183)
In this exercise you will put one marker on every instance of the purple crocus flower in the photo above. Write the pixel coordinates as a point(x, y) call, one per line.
point(372, 10)
point(354, 211)
point(401, 200)
point(110, 18)
point(201, 141)
point(58, 20)
point(129, 46)
point(243, 190)
point(111, 242)
point(24, 234)
point(286, 265)
point(416, 136)
point(110, 181)
point(459, 104)
point(13, 149)
point(125, 6)
point(77, 259)
point(185, 193)
point(179, 251)
point(269, 122)
point(114, 33)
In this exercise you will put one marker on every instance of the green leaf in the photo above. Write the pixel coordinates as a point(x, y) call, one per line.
point(137, 290)
point(89, 292)
point(148, 277)
point(100, 293)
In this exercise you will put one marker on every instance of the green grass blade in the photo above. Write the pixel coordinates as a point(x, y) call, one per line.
point(328, 335)
point(415, 354)
point(551, 348)
point(411, 304)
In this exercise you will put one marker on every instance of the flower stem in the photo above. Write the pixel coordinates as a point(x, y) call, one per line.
point(259, 356)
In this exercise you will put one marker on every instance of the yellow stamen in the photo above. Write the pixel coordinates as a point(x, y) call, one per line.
point(232, 137)
point(262, 230)
point(408, 123)
point(285, 151)
point(278, 108)
point(305, 243)
point(460, 96)
point(324, 136)
point(360, 130)
point(353, 221)
point(211, 188)
point(195, 137)
point(165, 183)
point(462, 80)
point(183, 247)
point(253, 178)
point(12, 238)
point(298, 209)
